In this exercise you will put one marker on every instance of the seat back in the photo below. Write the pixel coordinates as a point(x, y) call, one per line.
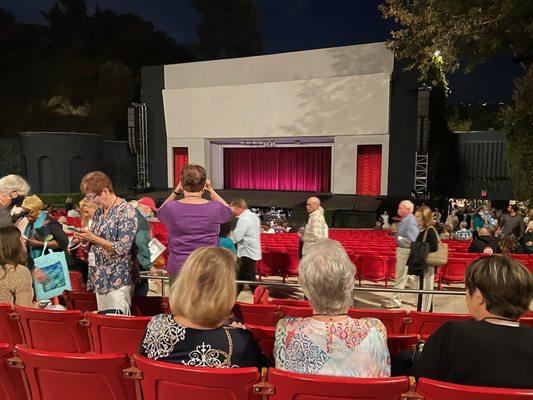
point(66, 376)
point(116, 334)
point(372, 267)
point(256, 314)
point(54, 330)
point(261, 295)
point(11, 386)
point(526, 320)
point(264, 335)
point(402, 342)
point(424, 323)
point(394, 320)
point(290, 311)
point(9, 326)
point(290, 302)
point(454, 269)
point(161, 381)
point(76, 281)
point(291, 386)
point(83, 301)
point(148, 305)
point(436, 390)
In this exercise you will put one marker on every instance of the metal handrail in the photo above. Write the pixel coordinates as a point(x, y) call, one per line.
point(147, 275)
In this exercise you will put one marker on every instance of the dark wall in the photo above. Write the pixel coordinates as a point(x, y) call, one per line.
point(51, 158)
point(119, 164)
point(483, 166)
point(402, 125)
point(152, 84)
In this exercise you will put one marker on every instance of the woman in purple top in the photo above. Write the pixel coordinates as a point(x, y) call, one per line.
point(192, 221)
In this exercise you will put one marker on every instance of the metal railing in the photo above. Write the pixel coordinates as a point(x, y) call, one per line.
point(162, 278)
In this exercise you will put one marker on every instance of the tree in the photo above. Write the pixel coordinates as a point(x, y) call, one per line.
point(467, 33)
point(230, 28)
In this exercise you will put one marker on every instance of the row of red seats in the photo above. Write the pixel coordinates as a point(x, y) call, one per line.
point(63, 376)
point(396, 321)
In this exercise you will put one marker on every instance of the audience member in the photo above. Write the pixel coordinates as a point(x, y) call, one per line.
point(146, 205)
point(224, 240)
point(407, 232)
point(12, 187)
point(42, 229)
point(15, 279)
point(330, 342)
point(196, 333)
point(452, 220)
point(463, 233)
point(109, 240)
point(385, 220)
point(316, 227)
point(485, 243)
point(526, 243)
point(141, 253)
point(493, 349)
point(511, 221)
point(478, 221)
point(247, 237)
point(428, 234)
point(445, 231)
point(192, 221)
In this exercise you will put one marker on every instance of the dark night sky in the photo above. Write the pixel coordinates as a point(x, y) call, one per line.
point(290, 25)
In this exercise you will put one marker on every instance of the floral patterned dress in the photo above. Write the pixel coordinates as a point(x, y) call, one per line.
point(349, 348)
point(113, 269)
point(223, 347)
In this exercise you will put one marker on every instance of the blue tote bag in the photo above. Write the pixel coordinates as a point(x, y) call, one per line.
point(54, 265)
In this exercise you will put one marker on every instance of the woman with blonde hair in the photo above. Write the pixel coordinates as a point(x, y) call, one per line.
point(428, 234)
point(197, 334)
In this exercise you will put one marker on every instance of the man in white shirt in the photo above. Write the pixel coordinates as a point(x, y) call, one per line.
point(247, 237)
point(316, 227)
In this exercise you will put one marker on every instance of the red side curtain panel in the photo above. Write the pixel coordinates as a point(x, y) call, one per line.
point(368, 181)
point(281, 168)
point(181, 159)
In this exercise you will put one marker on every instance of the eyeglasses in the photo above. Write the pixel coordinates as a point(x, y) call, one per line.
point(91, 197)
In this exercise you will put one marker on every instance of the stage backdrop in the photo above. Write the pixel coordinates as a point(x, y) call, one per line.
point(282, 168)
point(181, 159)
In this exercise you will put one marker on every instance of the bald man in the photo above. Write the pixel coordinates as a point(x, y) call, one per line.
point(316, 227)
point(485, 243)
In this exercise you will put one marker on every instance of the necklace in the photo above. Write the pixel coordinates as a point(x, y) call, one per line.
point(106, 212)
point(505, 321)
point(330, 316)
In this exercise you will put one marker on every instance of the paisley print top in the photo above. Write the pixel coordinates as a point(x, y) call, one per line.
point(223, 347)
point(113, 269)
point(349, 348)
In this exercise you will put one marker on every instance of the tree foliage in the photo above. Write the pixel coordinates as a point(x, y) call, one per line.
point(80, 72)
point(467, 33)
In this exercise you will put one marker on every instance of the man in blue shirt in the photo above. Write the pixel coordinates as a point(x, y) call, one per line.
point(247, 237)
point(406, 233)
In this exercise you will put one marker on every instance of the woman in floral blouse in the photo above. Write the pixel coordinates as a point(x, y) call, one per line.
point(109, 243)
point(330, 342)
point(197, 334)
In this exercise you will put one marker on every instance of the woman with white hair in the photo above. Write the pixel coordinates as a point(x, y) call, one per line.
point(330, 342)
point(12, 187)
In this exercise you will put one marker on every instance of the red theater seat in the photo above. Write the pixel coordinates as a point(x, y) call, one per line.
point(10, 331)
point(67, 376)
point(165, 381)
point(11, 386)
point(399, 343)
point(372, 268)
point(300, 312)
point(264, 335)
point(83, 301)
point(54, 330)
point(256, 314)
point(453, 271)
point(116, 334)
point(261, 295)
point(76, 281)
point(526, 320)
point(424, 323)
point(148, 305)
point(291, 386)
point(394, 320)
point(436, 390)
point(290, 302)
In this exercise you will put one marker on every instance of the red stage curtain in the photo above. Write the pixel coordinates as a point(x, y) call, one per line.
point(280, 168)
point(368, 170)
point(181, 159)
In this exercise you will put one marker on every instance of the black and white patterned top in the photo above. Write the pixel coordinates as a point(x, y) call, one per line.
point(223, 347)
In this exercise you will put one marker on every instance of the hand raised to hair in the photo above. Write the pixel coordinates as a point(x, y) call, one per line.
point(208, 186)
point(179, 188)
